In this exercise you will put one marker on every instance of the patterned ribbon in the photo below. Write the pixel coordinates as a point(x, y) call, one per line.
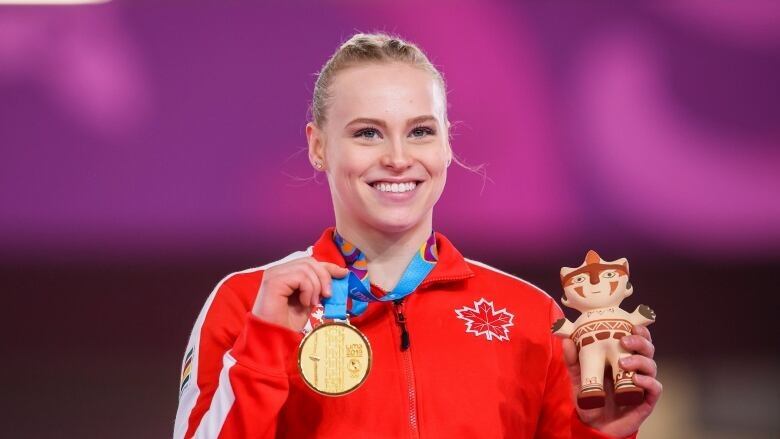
point(357, 286)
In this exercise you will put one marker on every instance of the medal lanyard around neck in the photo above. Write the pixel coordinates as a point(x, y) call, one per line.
point(357, 286)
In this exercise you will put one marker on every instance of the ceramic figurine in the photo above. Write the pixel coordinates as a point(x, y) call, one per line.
point(596, 289)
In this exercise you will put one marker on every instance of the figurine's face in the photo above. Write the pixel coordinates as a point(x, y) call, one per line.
point(596, 283)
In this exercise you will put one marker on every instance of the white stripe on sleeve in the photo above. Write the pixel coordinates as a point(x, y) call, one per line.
point(221, 402)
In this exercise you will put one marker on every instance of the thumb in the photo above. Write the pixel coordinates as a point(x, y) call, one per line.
point(335, 270)
point(569, 352)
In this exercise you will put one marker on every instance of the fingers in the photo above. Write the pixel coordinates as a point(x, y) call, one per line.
point(653, 388)
point(642, 331)
point(325, 271)
point(321, 277)
point(638, 344)
point(300, 277)
point(336, 271)
point(288, 291)
point(637, 363)
point(569, 352)
point(307, 288)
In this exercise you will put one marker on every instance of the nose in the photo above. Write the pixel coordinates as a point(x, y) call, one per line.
point(594, 278)
point(396, 156)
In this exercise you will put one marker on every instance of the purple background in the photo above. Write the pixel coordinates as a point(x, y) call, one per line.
point(150, 147)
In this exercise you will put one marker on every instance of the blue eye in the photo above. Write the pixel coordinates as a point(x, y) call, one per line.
point(367, 133)
point(422, 131)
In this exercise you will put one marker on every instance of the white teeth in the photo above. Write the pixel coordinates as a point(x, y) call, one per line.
point(394, 187)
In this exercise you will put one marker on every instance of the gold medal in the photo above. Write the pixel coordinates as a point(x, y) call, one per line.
point(334, 358)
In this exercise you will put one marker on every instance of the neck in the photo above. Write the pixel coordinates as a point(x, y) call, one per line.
point(387, 253)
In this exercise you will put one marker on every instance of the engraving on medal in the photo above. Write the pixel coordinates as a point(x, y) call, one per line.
point(334, 374)
point(334, 359)
point(354, 367)
point(355, 350)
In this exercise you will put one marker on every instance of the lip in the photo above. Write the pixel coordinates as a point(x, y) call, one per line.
point(395, 180)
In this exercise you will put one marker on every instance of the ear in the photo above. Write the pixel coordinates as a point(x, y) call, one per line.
point(564, 272)
point(316, 139)
point(629, 289)
point(592, 257)
point(623, 262)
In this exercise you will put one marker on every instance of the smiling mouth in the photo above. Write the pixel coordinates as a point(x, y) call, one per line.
point(395, 188)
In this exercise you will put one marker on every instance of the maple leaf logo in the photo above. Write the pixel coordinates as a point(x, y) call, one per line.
point(317, 313)
point(483, 319)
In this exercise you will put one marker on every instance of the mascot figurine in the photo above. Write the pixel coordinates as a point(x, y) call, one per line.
point(596, 289)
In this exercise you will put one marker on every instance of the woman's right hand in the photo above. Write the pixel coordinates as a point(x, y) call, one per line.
point(289, 291)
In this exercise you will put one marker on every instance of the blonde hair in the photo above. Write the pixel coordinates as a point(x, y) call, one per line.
point(368, 48)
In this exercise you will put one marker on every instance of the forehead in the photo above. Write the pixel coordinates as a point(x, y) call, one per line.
point(393, 92)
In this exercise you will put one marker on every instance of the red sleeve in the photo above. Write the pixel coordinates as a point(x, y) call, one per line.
point(559, 418)
point(233, 361)
point(254, 383)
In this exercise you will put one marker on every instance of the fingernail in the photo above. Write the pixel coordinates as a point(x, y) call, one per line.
point(624, 362)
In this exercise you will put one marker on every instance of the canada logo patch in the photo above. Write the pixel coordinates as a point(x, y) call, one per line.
point(484, 319)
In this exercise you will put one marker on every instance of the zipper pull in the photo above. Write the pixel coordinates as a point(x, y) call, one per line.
point(401, 320)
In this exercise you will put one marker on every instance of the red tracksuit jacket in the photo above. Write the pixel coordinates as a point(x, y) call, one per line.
point(482, 363)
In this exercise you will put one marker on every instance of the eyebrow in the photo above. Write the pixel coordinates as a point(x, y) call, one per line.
point(381, 123)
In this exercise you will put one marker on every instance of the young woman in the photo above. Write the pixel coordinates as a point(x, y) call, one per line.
point(468, 353)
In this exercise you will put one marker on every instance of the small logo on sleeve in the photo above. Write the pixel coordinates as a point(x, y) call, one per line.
point(186, 370)
point(484, 319)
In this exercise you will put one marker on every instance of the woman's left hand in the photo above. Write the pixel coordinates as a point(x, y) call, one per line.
point(611, 419)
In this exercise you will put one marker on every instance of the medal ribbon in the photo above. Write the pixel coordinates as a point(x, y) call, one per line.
point(357, 286)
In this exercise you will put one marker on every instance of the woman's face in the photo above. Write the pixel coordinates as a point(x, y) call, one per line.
point(384, 145)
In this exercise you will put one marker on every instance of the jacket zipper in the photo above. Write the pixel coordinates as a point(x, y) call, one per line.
point(406, 355)
point(401, 320)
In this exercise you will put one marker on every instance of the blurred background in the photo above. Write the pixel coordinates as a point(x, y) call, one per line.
point(151, 147)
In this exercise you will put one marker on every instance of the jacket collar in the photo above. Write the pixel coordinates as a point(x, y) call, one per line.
point(450, 267)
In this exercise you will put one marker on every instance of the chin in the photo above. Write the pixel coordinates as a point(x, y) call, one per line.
point(394, 226)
